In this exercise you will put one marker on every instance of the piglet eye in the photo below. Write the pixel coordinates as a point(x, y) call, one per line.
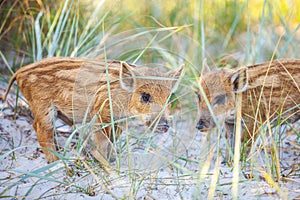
point(145, 98)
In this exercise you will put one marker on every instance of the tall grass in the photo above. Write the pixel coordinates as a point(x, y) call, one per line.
point(160, 34)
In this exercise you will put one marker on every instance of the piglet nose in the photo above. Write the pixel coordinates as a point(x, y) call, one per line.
point(200, 125)
point(148, 123)
point(166, 124)
point(163, 126)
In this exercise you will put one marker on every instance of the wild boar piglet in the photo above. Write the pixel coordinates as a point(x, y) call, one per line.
point(77, 89)
point(269, 90)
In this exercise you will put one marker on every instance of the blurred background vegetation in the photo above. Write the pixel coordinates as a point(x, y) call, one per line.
point(249, 31)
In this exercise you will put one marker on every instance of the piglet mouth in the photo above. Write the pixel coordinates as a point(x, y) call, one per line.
point(204, 125)
point(204, 129)
point(161, 127)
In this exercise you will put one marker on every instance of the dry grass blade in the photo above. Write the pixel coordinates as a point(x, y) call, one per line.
point(237, 145)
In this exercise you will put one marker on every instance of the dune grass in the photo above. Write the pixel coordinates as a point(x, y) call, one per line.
point(163, 35)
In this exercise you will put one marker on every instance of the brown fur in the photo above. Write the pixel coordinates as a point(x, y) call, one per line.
point(269, 90)
point(75, 89)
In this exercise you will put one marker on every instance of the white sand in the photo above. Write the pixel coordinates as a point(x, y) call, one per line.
point(161, 177)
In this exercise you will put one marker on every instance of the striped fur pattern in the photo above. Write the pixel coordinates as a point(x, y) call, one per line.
point(76, 89)
point(269, 90)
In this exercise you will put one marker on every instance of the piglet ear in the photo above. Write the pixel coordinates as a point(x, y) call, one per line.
point(205, 67)
point(127, 77)
point(239, 80)
point(176, 74)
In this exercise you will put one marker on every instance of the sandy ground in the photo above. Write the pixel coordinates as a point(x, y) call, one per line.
point(171, 171)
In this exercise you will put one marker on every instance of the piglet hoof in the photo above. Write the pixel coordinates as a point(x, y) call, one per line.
point(50, 157)
point(111, 156)
point(112, 159)
point(101, 158)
